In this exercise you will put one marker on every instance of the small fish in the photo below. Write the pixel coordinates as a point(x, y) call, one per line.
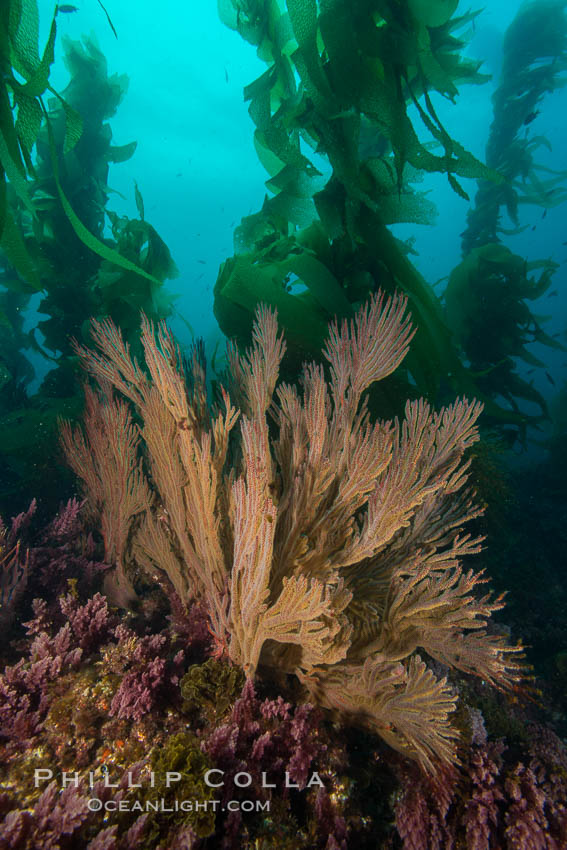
point(203, 262)
point(139, 201)
point(544, 213)
point(550, 379)
point(552, 294)
point(66, 9)
point(531, 116)
point(530, 372)
point(534, 227)
point(226, 74)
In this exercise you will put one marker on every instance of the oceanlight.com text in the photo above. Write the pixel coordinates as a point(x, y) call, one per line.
point(160, 806)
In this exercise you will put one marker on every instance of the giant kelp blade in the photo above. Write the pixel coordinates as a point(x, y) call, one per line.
point(14, 248)
point(24, 36)
point(37, 77)
point(91, 241)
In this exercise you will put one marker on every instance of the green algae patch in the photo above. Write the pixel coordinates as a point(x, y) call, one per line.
point(209, 690)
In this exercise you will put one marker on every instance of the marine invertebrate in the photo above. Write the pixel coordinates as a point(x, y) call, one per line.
point(328, 546)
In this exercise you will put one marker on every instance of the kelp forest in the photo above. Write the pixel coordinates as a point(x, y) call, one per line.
point(311, 592)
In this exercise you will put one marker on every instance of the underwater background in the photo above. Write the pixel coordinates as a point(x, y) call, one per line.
point(195, 162)
point(191, 162)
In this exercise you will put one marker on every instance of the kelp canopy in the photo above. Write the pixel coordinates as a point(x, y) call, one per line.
point(534, 65)
point(22, 115)
point(333, 128)
point(345, 125)
point(488, 296)
point(487, 305)
point(80, 282)
point(55, 152)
